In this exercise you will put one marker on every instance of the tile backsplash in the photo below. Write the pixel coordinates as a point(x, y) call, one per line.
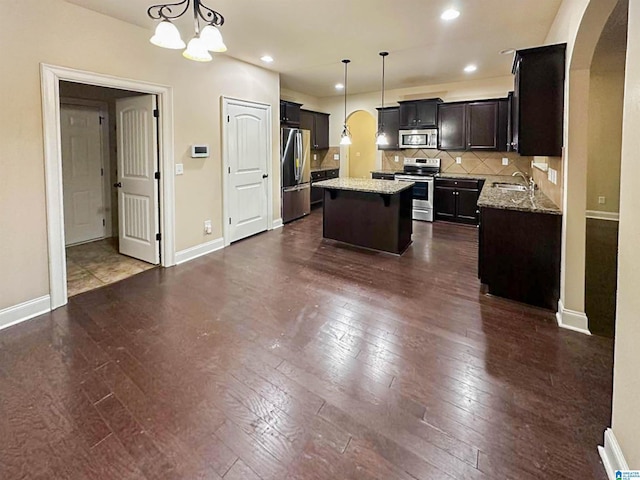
point(485, 163)
point(324, 158)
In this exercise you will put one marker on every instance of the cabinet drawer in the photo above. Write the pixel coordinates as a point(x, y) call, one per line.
point(457, 183)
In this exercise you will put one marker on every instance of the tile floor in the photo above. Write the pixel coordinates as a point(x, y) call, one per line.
point(95, 264)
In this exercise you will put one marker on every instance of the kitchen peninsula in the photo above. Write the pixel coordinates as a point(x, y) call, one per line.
point(369, 213)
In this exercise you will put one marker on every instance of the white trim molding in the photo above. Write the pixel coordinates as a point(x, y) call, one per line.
point(24, 311)
point(572, 320)
point(51, 76)
point(277, 224)
point(596, 215)
point(192, 253)
point(611, 455)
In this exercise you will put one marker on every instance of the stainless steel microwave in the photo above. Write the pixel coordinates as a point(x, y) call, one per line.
point(427, 138)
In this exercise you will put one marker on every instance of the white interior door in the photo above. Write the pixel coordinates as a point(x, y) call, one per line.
point(82, 181)
point(138, 216)
point(247, 145)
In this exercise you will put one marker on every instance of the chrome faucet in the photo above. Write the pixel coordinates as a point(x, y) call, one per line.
point(528, 180)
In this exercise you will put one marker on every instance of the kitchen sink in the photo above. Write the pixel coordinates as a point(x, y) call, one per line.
point(516, 187)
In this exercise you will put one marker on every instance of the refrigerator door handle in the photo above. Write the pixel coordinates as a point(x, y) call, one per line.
point(299, 154)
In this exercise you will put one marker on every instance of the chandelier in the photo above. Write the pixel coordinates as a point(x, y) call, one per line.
point(205, 40)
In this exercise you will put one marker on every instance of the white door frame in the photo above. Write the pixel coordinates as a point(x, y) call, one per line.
point(51, 75)
point(226, 101)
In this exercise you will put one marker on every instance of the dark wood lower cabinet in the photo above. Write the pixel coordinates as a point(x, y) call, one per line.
point(317, 176)
point(519, 256)
point(456, 200)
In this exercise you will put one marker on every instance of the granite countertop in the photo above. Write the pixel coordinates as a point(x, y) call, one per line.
point(493, 197)
point(323, 169)
point(386, 187)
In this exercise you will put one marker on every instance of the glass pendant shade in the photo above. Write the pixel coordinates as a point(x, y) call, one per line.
point(382, 139)
point(212, 39)
point(167, 36)
point(197, 51)
point(345, 138)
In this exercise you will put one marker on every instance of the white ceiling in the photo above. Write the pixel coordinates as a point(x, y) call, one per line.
point(308, 38)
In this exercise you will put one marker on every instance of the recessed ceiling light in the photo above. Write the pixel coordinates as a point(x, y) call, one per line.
point(339, 86)
point(507, 51)
point(470, 68)
point(267, 58)
point(450, 14)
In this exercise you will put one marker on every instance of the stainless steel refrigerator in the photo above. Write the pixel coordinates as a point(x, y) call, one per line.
point(296, 173)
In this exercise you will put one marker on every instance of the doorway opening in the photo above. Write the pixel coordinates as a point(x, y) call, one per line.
point(91, 123)
point(606, 101)
point(140, 212)
point(363, 149)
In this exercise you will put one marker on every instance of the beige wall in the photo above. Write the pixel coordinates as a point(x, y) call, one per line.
point(606, 98)
point(81, 39)
point(362, 151)
point(626, 386)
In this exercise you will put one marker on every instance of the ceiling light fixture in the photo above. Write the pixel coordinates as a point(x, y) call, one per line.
point(267, 59)
point(381, 136)
point(339, 86)
point(450, 14)
point(209, 39)
point(470, 68)
point(345, 137)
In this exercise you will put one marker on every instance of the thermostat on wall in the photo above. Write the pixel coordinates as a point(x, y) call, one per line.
point(199, 151)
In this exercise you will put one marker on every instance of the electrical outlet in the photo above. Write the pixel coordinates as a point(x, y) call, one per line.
point(505, 161)
point(458, 160)
point(552, 176)
point(179, 169)
point(315, 156)
point(357, 154)
point(207, 227)
point(602, 200)
point(336, 156)
point(396, 158)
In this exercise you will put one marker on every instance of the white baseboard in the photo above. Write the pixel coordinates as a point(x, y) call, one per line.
point(277, 224)
point(199, 250)
point(611, 454)
point(611, 216)
point(572, 320)
point(24, 311)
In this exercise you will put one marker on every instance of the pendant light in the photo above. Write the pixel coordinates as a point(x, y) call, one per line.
point(381, 136)
point(345, 138)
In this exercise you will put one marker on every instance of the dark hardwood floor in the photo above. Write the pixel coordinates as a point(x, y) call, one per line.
point(289, 357)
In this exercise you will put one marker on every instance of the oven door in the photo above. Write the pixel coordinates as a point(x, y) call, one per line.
point(422, 196)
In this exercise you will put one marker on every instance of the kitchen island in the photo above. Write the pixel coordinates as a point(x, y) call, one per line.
point(369, 213)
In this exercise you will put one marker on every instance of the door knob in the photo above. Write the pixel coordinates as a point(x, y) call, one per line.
point(265, 175)
point(118, 185)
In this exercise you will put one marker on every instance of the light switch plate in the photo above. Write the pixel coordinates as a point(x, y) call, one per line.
point(602, 200)
point(315, 156)
point(336, 156)
point(396, 158)
point(458, 160)
point(179, 169)
point(505, 161)
point(552, 176)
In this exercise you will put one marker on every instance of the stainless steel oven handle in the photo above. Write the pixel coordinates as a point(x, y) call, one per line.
point(404, 178)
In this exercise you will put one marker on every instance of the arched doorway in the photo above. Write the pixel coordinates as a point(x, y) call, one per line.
point(362, 151)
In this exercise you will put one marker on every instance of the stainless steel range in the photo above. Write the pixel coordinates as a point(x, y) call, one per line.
point(422, 172)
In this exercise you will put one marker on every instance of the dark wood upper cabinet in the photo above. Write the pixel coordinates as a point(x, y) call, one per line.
point(538, 101)
point(452, 130)
point(318, 124)
point(481, 125)
point(419, 113)
point(289, 113)
point(390, 117)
